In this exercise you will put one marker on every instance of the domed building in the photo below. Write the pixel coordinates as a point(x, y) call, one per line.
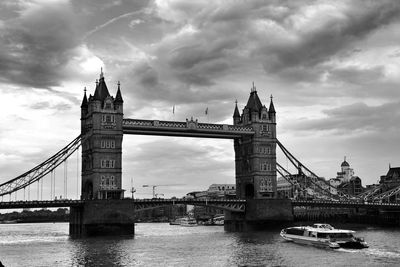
point(346, 172)
point(346, 181)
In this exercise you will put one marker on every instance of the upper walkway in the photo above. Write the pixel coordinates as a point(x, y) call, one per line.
point(189, 128)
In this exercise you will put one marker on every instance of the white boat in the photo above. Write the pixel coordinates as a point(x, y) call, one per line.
point(188, 222)
point(184, 221)
point(323, 235)
point(219, 220)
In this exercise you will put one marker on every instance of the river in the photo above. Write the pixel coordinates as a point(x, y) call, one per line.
point(161, 244)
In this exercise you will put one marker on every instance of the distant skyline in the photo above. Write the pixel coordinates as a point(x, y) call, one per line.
point(333, 69)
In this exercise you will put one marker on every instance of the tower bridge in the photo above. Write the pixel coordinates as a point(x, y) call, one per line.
point(102, 208)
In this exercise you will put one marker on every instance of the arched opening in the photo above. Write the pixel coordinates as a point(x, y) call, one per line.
point(249, 191)
point(88, 190)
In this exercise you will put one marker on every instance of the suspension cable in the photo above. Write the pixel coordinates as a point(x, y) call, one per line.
point(38, 189)
point(65, 178)
point(40, 170)
point(51, 185)
point(299, 166)
point(77, 173)
point(41, 189)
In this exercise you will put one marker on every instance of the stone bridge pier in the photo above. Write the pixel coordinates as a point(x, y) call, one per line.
point(260, 214)
point(102, 217)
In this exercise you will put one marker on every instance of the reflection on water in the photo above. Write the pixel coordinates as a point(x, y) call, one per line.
point(161, 244)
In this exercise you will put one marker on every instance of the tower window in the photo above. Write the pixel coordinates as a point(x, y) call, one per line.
point(268, 167)
point(265, 128)
point(107, 163)
point(263, 166)
point(107, 118)
point(107, 143)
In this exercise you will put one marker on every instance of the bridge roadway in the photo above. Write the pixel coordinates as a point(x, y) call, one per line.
point(189, 128)
point(237, 205)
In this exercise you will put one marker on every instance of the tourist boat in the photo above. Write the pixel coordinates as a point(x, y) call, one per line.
point(184, 221)
point(323, 235)
point(188, 222)
point(177, 221)
point(219, 220)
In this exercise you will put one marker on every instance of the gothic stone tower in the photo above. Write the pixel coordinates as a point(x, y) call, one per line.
point(255, 157)
point(101, 130)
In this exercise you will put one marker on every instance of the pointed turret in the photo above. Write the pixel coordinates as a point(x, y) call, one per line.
point(271, 111)
point(271, 106)
point(101, 88)
point(254, 102)
point(236, 114)
point(118, 97)
point(84, 104)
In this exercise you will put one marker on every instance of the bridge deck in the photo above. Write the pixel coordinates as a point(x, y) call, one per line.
point(189, 128)
point(228, 204)
point(139, 204)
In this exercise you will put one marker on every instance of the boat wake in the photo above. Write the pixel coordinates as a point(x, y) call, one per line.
point(382, 253)
point(372, 252)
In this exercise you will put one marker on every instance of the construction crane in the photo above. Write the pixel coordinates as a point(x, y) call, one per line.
point(157, 185)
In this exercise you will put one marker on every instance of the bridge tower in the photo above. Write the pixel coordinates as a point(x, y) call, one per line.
point(101, 129)
point(255, 161)
point(255, 156)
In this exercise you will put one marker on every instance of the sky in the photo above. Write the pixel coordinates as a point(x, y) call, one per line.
point(333, 68)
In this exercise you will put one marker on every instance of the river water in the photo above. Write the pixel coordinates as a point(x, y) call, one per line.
point(161, 244)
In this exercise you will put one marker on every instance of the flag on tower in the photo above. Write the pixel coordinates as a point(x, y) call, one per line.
point(206, 112)
point(173, 109)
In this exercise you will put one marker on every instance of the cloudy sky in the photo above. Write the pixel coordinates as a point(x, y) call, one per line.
point(332, 66)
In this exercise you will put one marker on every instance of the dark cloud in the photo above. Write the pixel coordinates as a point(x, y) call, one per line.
point(357, 117)
point(357, 75)
point(145, 89)
point(37, 45)
point(311, 47)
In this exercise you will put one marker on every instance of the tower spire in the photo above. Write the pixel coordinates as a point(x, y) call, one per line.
point(101, 73)
point(253, 88)
point(118, 96)
point(236, 113)
point(84, 100)
point(271, 106)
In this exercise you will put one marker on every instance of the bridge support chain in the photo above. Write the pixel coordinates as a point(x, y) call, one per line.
point(102, 218)
point(260, 214)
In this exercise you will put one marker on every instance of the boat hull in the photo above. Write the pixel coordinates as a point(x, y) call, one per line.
point(353, 245)
point(312, 242)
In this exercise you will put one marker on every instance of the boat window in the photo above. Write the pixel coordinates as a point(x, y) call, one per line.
point(322, 235)
point(294, 231)
point(341, 235)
